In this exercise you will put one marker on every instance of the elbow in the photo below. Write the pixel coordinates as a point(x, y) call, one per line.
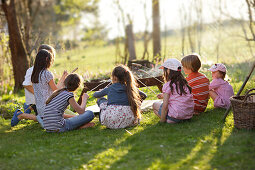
point(80, 111)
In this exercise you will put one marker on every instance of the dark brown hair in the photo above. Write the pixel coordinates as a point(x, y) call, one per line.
point(125, 76)
point(223, 74)
point(48, 48)
point(42, 62)
point(72, 82)
point(176, 77)
point(191, 62)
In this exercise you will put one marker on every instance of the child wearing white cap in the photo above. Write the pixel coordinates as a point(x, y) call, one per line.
point(178, 104)
point(219, 89)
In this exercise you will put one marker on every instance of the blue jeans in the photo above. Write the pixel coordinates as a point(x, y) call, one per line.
point(40, 121)
point(77, 121)
point(168, 117)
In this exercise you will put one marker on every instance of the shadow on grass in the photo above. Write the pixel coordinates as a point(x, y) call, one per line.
point(236, 151)
point(199, 143)
point(164, 145)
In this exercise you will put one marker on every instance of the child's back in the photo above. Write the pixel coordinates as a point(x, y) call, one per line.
point(197, 81)
point(224, 91)
point(42, 90)
point(200, 90)
point(179, 106)
point(53, 114)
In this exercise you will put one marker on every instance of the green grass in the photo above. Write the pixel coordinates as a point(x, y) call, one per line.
point(205, 142)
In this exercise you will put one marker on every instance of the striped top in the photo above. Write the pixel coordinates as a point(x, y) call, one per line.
point(53, 114)
point(200, 90)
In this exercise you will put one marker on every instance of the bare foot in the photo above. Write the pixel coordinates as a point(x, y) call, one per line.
point(91, 124)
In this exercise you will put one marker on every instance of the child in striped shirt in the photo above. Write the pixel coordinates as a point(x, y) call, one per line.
point(198, 82)
point(57, 103)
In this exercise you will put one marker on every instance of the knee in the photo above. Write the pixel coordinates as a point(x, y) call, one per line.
point(154, 105)
point(90, 114)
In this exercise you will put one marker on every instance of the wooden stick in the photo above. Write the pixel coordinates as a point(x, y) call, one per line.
point(128, 132)
point(146, 86)
point(74, 70)
point(152, 77)
point(99, 85)
point(240, 90)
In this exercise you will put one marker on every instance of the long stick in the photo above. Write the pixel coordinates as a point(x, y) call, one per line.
point(146, 86)
point(152, 77)
point(240, 90)
point(99, 85)
point(74, 70)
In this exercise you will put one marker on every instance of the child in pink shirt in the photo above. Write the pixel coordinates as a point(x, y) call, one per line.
point(178, 104)
point(219, 89)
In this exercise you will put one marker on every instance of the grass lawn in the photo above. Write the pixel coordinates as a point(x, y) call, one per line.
point(205, 142)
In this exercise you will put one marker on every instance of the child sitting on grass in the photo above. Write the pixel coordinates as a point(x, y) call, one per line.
point(178, 102)
point(57, 103)
point(29, 91)
point(197, 81)
point(43, 85)
point(220, 90)
point(122, 107)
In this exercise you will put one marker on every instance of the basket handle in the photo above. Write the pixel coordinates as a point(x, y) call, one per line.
point(249, 91)
point(247, 95)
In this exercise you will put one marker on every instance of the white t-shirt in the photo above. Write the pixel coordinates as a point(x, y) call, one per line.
point(30, 98)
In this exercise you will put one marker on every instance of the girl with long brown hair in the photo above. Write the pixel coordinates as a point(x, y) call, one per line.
point(124, 99)
point(178, 102)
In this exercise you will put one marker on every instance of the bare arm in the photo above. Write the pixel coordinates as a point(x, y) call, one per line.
point(30, 89)
point(60, 83)
point(164, 107)
point(80, 109)
point(52, 85)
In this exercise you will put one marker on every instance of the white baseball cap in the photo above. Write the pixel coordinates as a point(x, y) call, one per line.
point(172, 64)
point(218, 67)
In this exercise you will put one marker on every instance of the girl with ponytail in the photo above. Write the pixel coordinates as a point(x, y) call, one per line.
point(178, 102)
point(124, 99)
point(57, 103)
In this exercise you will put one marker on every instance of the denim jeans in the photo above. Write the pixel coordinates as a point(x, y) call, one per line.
point(40, 121)
point(77, 121)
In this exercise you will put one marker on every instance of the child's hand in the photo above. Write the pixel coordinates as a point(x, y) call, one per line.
point(85, 96)
point(160, 96)
point(65, 74)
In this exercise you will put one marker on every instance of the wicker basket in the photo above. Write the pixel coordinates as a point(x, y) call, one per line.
point(244, 110)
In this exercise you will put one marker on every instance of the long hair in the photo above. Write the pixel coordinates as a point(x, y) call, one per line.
point(42, 62)
point(72, 82)
point(176, 77)
point(125, 76)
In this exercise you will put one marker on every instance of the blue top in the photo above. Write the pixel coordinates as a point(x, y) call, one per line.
point(116, 94)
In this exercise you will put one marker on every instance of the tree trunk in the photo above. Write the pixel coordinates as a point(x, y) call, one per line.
point(156, 29)
point(130, 42)
point(19, 58)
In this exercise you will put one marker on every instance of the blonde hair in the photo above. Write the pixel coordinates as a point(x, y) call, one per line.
point(191, 62)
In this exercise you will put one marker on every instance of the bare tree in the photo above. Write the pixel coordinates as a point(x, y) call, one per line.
point(156, 29)
point(183, 14)
point(146, 34)
point(19, 58)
